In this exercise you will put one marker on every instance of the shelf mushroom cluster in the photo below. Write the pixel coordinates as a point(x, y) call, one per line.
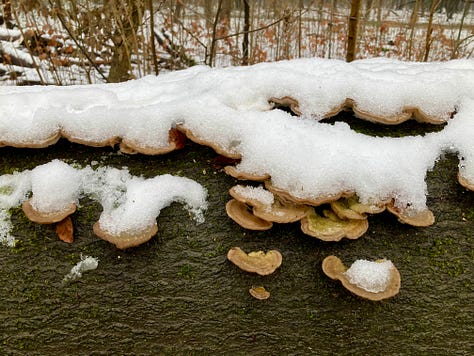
point(130, 204)
point(257, 208)
point(262, 263)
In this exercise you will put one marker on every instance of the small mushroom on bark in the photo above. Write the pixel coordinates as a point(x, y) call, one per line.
point(65, 230)
point(419, 219)
point(125, 240)
point(253, 196)
point(239, 212)
point(331, 228)
point(465, 182)
point(215, 146)
point(255, 262)
point(308, 201)
point(237, 174)
point(46, 217)
point(280, 212)
point(259, 293)
point(350, 208)
point(48, 141)
point(176, 140)
point(370, 280)
point(286, 102)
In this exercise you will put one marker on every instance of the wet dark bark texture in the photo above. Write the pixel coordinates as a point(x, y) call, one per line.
point(178, 294)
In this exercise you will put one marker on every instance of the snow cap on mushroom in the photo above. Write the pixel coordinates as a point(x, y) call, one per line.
point(370, 280)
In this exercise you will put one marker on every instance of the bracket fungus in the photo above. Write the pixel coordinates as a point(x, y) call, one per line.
point(370, 280)
point(259, 293)
point(316, 201)
point(255, 262)
point(331, 228)
point(126, 239)
point(239, 212)
point(465, 182)
point(46, 217)
point(241, 175)
point(286, 102)
point(280, 212)
point(176, 141)
point(420, 219)
point(350, 208)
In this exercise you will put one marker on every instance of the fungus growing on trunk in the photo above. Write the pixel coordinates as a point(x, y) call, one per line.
point(420, 219)
point(255, 262)
point(350, 208)
point(280, 212)
point(125, 240)
point(176, 140)
point(286, 103)
point(465, 182)
point(215, 146)
point(65, 230)
point(259, 293)
point(331, 228)
point(234, 172)
point(41, 217)
point(308, 201)
point(239, 212)
point(370, 280)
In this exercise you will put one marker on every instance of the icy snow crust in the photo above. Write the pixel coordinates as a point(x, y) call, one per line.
point(229, 108)
point(371, 276)
point(129, 203)
point(87, 263)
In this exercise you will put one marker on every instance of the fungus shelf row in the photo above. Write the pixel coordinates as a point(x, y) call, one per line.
point(342, 216)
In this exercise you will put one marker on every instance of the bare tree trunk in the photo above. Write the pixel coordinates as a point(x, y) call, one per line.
point(214, 33)
point(429, 29)
point(7, 12)
point(152, 35)
point(208, 12)
point(123, 39)
point(458, 41)
point(413, 21)
point(352, 31)
point(300, 24)
point(245, 43)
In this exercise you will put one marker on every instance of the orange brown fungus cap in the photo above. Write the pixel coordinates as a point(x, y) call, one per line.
point(259, 293)
point(255, 262)
point(234, 172)
point(280, 212)
point(287, 102)
point(239, 212)
point(176, 140)
point(46, 218)
point(350, 208)
point(419, 219)
point(465, 183)
point(126, 239)
point(51, 140)
point(65, 230)
point(216, 147)
point(309, 201)
point(107, 142)
point(335, 269)
point(331, 228)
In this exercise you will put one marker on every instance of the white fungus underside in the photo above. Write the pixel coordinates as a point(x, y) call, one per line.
point(371, 276)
